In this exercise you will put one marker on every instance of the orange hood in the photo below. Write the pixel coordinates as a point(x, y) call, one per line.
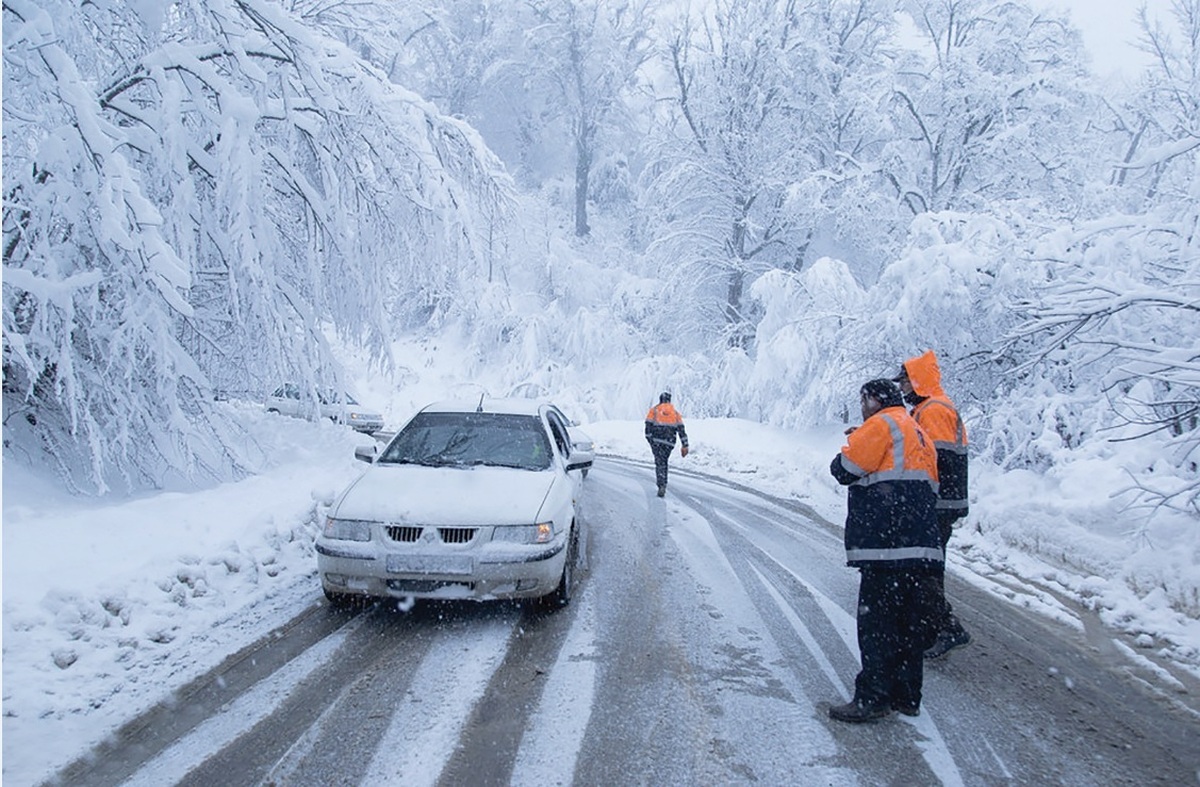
point(924, 374)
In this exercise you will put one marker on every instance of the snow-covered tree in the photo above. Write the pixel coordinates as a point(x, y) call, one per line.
point(192, 198)
point(588, 53)
point(1121, 309)
point(721, 162)
point(988, 109)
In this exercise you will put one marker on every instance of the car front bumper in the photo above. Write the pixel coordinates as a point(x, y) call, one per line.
point(489, 572)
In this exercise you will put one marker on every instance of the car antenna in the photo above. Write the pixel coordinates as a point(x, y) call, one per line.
point(479, 409)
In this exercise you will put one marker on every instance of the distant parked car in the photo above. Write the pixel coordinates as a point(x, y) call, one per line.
point(338, 408)
point(467, 501)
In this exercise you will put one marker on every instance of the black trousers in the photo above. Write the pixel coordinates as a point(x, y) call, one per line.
point(662, 452)
point(944, 617)
point(895, 626)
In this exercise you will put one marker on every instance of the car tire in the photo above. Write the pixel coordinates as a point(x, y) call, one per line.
point(561, 595)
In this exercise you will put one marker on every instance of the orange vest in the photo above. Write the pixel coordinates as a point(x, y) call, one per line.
point(891, 446)
point(664, 414)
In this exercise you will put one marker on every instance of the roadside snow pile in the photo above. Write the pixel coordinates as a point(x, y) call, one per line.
point(110, 605)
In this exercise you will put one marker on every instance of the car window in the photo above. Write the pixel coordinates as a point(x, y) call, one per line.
point(559, 430)
point(467, 439)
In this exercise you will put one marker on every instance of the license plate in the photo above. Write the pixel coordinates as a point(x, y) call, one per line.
point(430, 564)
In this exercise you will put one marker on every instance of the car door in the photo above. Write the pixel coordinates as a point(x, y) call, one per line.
point(286, 399)
point(562, 444)
point(580, 451)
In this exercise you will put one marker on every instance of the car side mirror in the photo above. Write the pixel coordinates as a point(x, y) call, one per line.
point(579, 465)
point(366, 453)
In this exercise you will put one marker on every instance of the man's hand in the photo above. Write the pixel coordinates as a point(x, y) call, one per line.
point(683, 450)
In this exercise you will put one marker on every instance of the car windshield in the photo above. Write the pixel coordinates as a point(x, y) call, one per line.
point(469, 439)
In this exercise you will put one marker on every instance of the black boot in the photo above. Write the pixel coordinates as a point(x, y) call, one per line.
point(946, 642)
point(856, 712)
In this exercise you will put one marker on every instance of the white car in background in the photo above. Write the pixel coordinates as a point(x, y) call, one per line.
point(467, 501)
point(287, 400)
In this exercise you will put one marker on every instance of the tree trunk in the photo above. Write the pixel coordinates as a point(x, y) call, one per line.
point(583, 169)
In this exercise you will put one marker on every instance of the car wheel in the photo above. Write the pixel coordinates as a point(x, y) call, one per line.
point(273, 410)
point(561, 595)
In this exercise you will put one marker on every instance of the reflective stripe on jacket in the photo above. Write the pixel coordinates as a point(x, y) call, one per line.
point(939, 418)
point(663, 422)
point(890, 467)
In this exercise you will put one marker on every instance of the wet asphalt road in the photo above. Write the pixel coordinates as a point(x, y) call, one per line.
point(709, 632)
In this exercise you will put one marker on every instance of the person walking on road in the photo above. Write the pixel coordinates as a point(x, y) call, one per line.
point(920, 380)
point(663, 423)
point(890, 468)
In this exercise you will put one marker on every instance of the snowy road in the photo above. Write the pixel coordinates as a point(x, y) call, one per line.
point(709, 633)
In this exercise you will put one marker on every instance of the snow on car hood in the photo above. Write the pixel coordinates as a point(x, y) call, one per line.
point(413, 494)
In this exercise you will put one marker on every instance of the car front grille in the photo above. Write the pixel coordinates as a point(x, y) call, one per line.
point(426, 585)
point(404, 533)
point(456, 535)
point(411, 534)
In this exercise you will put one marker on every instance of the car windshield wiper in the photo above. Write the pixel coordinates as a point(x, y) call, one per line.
point(490, 463)
point(408, 460)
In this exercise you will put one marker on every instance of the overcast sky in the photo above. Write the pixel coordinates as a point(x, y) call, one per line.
point(1109, 30)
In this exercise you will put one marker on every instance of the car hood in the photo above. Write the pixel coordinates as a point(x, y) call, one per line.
point(412, 494)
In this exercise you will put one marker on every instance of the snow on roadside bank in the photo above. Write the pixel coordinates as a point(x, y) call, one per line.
point(109, 605)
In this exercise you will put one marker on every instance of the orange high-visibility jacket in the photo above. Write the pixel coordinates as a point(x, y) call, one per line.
point(890, 467)
point(937, 415)
point(663, 423)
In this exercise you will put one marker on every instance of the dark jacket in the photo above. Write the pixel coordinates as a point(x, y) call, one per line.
point(937, 415)
point(663, 423)
point(890, 467)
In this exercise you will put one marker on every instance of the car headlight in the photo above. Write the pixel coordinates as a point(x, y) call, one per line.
point(541, 533)
point(347, 529)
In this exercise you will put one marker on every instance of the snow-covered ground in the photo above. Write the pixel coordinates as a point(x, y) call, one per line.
point(110, 605)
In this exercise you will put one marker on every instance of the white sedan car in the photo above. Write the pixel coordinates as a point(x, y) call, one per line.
point(287, 400)
point(476, 501)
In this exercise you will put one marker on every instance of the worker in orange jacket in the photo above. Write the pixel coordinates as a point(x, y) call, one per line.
point(663, 423)
point(890, 468)
point(920, 380)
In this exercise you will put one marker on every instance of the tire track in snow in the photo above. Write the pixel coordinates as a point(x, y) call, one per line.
point(428, 721)
point(172, 765)
point(550, 746)
point(933, 748)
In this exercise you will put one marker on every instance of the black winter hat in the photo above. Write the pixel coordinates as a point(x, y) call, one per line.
point(665, 396)
point(886, 392)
